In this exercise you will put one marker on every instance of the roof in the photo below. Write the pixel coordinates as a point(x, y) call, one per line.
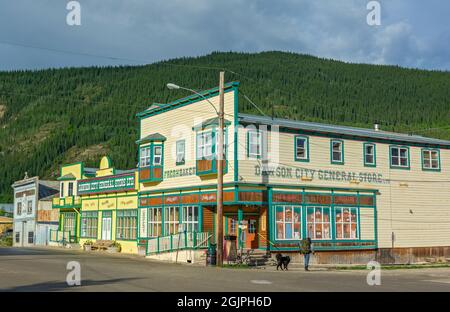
point(209, 122)
point(89, 171)
point(47, 188)
point(67, 177)
point(343, 130)
point(156, 107)
point(152, 138)
point(6, 219)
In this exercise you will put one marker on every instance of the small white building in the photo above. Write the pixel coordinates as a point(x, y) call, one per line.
point(30, 198)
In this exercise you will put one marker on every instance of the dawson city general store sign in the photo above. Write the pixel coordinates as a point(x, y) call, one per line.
point(125, 182)
point(285, 172)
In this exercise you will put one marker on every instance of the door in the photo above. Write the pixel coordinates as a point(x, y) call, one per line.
point(106, 228)
point(251, 240)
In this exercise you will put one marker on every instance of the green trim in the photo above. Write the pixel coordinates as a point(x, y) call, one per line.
point(101, 228)
point(334, 162)
point(154, 137)
point(306, 146)
point(422, 159)
point(82, 217)
point(390, 158)
point(236, 126)
point(374, 164)
point(152, 165)
point(194, 98)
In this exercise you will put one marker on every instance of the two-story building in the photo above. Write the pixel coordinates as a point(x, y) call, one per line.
point(97, 204)
point(32, 221)
point(358, 193)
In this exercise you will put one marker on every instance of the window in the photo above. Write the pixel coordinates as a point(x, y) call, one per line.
point(190, 218)
point(70, 189)
point(29, 207)
point(288, 222)
point(254, 143)
point(171, 220)
point(301, 148)
point(399, 157)
point(30, 237)
point(346, 223)
point(19, 208)
point(154, 222)
point(431, 160)
point(126, 224)
point(369, 155)
point(17, 237)
point(61, 190)
point(204, 145)
point(69, 223)
point(337, 152)
point(89, 224)
point(252, 226)
point(318, 222)
point(145, 157)
point(181, 152)
point(157, 155)
point(233, 226)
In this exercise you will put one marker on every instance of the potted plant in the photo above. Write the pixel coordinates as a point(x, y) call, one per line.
point(87, 245)
point(115, 247)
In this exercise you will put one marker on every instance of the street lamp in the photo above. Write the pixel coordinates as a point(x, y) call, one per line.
point(220, 163)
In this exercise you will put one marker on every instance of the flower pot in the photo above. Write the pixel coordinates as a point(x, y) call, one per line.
point(87, 247)
point(112, 249)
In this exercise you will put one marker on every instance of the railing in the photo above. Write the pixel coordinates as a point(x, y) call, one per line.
point(62, 237)
point(66, 202)
point(180, 241)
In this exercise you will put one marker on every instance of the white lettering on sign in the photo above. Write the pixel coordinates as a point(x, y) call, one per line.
point(106, 184)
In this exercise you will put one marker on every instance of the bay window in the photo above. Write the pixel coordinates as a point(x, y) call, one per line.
point(205, 145)
point(145, 157)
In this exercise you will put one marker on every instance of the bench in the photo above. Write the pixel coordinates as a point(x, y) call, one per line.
point(102, 244)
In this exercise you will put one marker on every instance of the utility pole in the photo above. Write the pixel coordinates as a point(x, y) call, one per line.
point(220, 164)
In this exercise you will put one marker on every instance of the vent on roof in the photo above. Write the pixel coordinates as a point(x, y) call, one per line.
point(376, 126)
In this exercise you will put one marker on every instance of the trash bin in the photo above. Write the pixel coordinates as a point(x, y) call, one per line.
point(211, 255)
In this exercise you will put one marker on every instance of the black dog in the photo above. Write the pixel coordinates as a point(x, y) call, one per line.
point(282, 262)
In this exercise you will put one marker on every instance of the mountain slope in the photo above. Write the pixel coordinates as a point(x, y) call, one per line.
point(51, 117)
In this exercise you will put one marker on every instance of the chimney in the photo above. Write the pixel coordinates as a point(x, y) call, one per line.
point(376, 126)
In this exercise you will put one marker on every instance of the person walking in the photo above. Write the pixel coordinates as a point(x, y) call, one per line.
point(306, 249)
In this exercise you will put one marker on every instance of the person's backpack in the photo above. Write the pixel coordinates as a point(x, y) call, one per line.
point(305, 246)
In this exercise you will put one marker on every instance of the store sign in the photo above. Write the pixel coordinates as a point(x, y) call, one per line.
point(293, 173)
point(175, 173)
point(118, 183)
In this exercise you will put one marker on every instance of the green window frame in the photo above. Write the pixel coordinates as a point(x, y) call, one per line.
point(334, 152)
point(397, 155)
point(301, 149)
point(180, 152)
point(251, 143)
point(318, 222)
point(89, 224)
point(288, 222)
point(70, 223)
point(145, 156)
point(346, 223)
point(367, 155)
point(126, 224)
point(205, 144)
point(428, 163)
point(155, 220)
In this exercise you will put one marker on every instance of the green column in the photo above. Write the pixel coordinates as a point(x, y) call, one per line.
point(240, 218)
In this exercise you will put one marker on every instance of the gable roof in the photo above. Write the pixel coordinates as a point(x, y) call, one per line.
point(353, 132)
point(152, 138)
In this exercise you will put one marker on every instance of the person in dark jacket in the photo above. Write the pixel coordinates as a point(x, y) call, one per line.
point(306, 249)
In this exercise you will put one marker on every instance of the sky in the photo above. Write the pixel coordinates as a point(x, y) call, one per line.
point(36, 35)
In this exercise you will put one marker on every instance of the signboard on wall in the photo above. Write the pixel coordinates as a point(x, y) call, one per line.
point(106, 184)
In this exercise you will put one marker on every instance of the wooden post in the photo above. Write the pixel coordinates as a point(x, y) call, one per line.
point(220, 163)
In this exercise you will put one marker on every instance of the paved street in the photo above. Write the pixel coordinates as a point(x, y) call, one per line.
point(38, 269)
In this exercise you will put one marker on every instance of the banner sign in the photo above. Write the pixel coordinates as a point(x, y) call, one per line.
point(107, 184)
point(319, 174)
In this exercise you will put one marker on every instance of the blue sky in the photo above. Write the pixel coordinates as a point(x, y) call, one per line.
point(413, 33)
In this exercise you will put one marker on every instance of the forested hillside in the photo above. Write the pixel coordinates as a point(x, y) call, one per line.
point(51, 117)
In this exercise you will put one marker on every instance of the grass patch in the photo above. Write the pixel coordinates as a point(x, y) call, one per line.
point(6, 242)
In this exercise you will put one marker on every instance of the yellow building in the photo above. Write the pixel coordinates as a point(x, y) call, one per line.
point(98, 204)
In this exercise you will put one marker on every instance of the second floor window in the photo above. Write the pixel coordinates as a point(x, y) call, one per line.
point(61, 190)
point(29, 207)
point(399, 157)
point(337, 152)
point(301, 148)
point(369, 155)
point(70, 189)
point(145, 157)
point(19, 208)
point(204, 145)
point(181, 152)
point(430, 159)
point(157, 155)
point(254, 144)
